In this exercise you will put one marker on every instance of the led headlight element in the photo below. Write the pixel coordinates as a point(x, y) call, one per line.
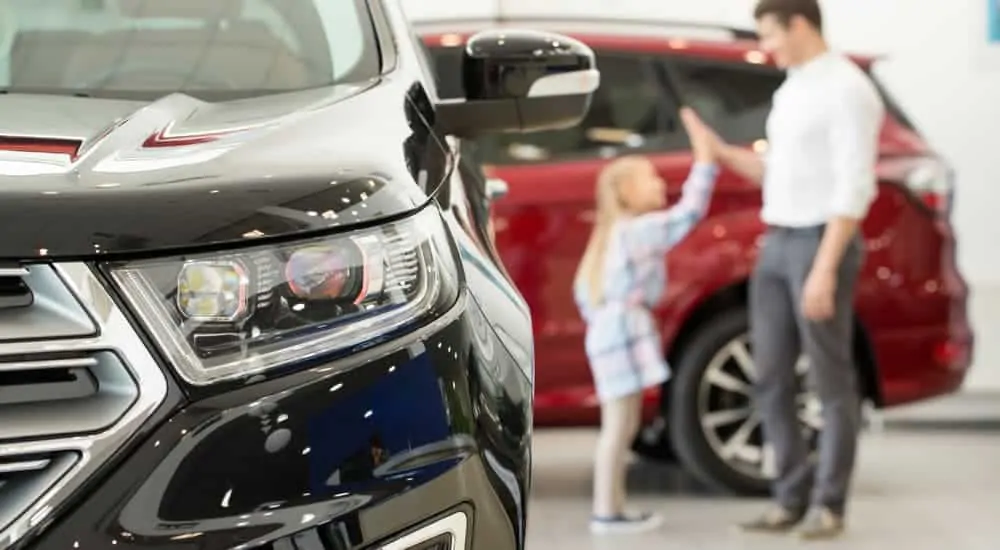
point(212, 291)
point(232, 314)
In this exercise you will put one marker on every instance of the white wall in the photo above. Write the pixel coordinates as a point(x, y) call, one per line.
point(940, 70)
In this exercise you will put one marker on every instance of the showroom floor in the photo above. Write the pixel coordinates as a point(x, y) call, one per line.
point(927, 489)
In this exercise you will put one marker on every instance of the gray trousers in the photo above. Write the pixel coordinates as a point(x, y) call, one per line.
point(779, 333)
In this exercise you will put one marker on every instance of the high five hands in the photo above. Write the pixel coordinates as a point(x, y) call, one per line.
point(706, 145)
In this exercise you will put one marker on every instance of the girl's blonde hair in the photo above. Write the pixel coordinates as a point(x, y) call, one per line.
point(610, 207)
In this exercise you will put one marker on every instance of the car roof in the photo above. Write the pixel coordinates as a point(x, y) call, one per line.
point(617, 33)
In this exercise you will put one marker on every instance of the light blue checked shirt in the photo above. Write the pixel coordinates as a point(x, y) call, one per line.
point(634, 264)
point(622, 342)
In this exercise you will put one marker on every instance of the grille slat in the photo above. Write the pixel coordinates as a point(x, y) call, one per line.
point(24, 466)
point(17, 272)
point(21, 486)
point(47, 397)
point(52, 313)
point(45, 385)
point(14, 292)
point(77, 362)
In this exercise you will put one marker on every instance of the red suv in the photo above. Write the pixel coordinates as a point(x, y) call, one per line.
point(913, 340)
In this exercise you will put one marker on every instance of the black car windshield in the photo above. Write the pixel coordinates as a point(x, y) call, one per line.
point(211, 49)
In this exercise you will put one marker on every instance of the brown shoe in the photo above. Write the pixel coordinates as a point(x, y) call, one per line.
point(821, 524)
point(776, 519)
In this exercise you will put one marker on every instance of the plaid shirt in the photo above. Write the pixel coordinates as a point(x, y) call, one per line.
point(622, 342)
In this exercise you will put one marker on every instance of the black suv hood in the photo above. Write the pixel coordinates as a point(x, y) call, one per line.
point(80, 176)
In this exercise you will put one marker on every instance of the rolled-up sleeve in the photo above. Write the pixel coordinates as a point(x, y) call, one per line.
point(857, 113)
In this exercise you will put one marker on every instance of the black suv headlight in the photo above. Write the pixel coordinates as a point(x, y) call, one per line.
point(232, 314)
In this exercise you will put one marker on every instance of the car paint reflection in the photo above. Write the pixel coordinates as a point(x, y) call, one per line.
point(369, 444)
point(363, 443)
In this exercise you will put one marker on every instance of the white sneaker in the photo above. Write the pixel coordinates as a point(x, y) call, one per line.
point(625, 524)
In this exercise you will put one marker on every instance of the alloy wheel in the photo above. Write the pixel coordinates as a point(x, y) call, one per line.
point(730, 423)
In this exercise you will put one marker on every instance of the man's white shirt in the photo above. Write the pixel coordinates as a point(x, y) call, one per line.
point(823, 137)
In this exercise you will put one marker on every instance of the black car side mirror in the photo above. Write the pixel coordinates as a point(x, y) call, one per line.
point(520, 81)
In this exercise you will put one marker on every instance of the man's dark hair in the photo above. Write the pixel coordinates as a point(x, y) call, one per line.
point(785, 10)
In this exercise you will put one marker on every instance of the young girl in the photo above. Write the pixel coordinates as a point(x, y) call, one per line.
point(621, 276)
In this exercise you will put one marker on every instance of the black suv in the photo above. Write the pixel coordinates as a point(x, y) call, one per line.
point(247, 293)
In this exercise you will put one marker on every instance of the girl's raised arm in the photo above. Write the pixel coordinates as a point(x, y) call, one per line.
point(660, 231)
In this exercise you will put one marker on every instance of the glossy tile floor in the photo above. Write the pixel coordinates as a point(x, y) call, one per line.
point(929, 490)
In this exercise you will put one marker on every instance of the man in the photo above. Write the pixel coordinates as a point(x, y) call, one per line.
point(818, 180)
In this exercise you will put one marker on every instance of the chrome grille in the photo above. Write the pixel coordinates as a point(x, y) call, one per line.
point(25, 479)
point(52, 313)
point(46, 396)
point(75, 382)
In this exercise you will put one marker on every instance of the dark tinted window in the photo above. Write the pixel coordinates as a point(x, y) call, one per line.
point(631, 111)
point(214, 49)
point(734, 99)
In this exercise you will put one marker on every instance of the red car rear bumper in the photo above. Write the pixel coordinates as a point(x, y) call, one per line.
point(918, 364)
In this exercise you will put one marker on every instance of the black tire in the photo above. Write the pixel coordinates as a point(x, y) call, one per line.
point(689, 442)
